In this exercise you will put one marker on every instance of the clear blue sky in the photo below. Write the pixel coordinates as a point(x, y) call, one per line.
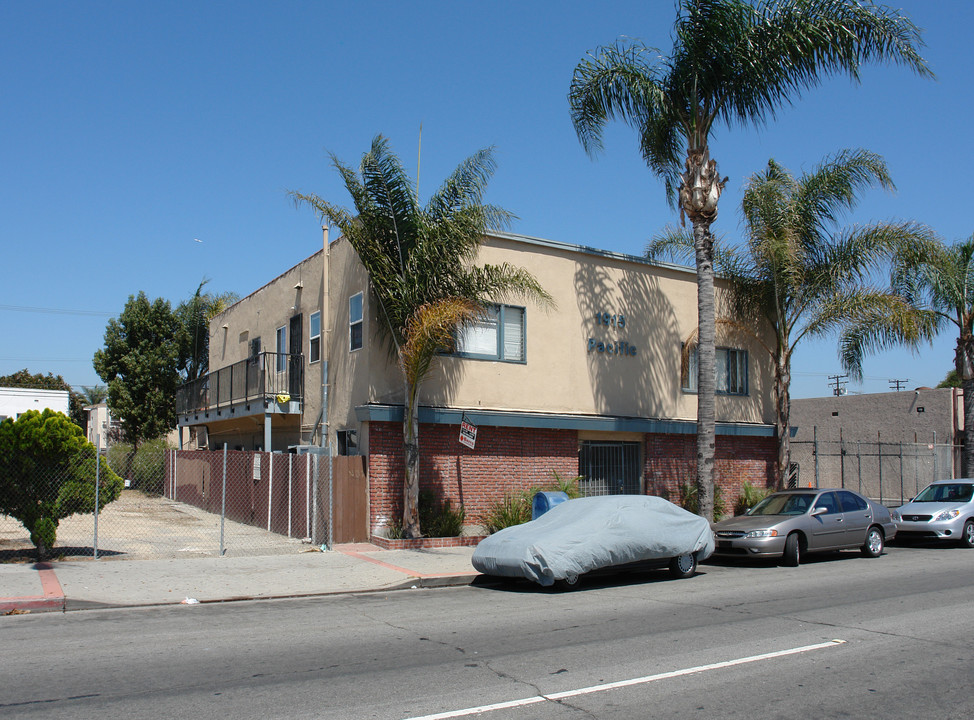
point(128, 131)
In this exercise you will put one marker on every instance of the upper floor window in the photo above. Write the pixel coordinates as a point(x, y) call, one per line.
point(498, 334)
point(314, 331)
point(355, 322)
point(281, 348)
point(730, 370)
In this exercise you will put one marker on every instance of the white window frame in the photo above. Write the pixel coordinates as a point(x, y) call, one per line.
point(500, 321)
point(729, 363)
point(314, 338)
point(353, 322)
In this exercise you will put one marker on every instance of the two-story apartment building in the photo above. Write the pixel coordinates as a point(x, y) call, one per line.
point(596, 386)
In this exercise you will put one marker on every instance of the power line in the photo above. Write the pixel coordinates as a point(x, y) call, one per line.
point(54, 311)
point(897, 385)
point(838, 384)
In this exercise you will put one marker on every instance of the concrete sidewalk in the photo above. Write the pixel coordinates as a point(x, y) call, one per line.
point(83, 584)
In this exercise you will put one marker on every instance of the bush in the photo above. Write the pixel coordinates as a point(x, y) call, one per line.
point(146, 468)
point(515, 508)
point(439, 519)
point(688, 499)
point(749, 497)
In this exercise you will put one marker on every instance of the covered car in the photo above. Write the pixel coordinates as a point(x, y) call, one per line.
point(594, 533)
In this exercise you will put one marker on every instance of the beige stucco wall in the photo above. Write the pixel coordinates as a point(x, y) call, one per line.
point(562, 373)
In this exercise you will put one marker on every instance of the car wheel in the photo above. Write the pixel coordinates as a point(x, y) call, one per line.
point(684, 566)
point(792, 554)
point(873, 547)
point(570, 582)
point(967, 535)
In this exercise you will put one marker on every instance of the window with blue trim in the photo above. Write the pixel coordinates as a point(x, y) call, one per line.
point(498, 334)
point(730, 369)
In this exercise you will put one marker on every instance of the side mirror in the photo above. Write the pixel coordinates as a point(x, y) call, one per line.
point(819, 511)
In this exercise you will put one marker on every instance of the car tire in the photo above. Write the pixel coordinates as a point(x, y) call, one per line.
point(684, 566)
point(793, 550)
point(967, 535)
point(873, 547)
point(569, 582)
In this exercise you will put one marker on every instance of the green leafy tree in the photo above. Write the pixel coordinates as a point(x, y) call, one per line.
point(951, 380)
point(47, 473)
point(800, 274)
point(195, 315)
point(937, 280)
point(140, 363)
point(732, 62)
point(420, 265)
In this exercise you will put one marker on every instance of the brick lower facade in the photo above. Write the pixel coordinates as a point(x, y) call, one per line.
point(508, 460)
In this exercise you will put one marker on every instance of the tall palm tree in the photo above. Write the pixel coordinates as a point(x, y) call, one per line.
point(731, 62)
point(799, 274)
point(937, 280)
point(195, 315)
point(420, 262)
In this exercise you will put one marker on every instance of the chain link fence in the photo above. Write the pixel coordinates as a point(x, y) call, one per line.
point(890, 473)
point(164, 503)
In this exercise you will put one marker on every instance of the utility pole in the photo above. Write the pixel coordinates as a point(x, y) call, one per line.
point(897, 385)
point(838, 384)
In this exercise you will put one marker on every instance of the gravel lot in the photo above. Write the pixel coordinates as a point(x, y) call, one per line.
point(137, 525)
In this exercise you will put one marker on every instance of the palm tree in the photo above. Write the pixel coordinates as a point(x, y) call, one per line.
point(799, 274)
point(420, 265)
point(731, 62)
point(195, 315)
point(937, 280)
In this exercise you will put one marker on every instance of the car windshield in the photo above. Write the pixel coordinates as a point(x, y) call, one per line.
point(783, 504)
point(949, 492)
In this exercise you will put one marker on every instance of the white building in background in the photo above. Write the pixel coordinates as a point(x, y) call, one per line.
point(100, 425)
point(16, 401)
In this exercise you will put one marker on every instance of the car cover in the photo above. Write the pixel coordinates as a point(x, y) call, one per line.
point(587, 534)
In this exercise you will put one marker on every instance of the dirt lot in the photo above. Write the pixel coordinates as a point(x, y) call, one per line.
point(137, 525)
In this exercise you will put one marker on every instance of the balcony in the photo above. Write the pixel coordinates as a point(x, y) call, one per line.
point(267, 382)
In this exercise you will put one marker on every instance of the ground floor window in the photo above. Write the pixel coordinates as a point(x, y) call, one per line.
point(609, 468)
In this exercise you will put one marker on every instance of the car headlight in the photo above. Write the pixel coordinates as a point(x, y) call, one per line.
point(895, 516)
point(948, 515)
point(762, 534)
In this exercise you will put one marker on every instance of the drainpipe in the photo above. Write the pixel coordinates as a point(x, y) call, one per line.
point(325, 327)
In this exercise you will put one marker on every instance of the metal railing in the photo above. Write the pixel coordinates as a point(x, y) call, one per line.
point(265, 375)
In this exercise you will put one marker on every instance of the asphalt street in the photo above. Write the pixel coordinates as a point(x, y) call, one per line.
point(840, 636)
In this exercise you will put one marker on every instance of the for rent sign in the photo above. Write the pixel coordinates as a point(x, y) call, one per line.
point(468, 433)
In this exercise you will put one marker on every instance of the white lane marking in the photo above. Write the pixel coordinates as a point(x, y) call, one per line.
point(625, 683)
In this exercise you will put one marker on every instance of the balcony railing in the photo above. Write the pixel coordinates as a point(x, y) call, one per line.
point(260, 377)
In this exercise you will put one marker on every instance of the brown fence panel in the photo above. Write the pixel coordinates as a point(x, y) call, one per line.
point(350, 499)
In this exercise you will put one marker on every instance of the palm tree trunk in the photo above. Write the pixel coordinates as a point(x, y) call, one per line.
point(706, 361)
point(410, 431)
point(964, 365)
point(782, 417)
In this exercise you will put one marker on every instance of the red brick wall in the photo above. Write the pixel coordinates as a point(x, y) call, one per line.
point(511, 459)
point(672, 459)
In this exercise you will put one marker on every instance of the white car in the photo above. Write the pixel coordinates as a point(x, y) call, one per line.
point(594, 533)
point(944, 510)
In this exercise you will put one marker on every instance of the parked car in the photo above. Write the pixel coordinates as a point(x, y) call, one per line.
point(944, 510)
point(794, 522)
point(595, 533)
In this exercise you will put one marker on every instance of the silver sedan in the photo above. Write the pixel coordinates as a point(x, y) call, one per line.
point(944, 510)
point(794, 522)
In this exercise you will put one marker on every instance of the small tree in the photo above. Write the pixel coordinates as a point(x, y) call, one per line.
point(140, 363)
point(47, 473)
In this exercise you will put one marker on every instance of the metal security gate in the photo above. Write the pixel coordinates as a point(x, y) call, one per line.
point(609, 468)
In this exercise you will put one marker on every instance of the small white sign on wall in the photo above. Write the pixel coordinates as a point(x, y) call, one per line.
point(257, 466)
point(468, 434)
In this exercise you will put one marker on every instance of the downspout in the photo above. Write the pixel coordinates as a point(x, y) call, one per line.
point(325, 328)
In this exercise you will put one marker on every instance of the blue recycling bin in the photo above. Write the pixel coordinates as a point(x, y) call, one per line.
point(544, 501)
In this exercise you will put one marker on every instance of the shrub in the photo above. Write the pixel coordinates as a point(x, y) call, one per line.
point(146, 468)
point(439, 519)
point(749, 497)
point(688, 499)
point(515, 508)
